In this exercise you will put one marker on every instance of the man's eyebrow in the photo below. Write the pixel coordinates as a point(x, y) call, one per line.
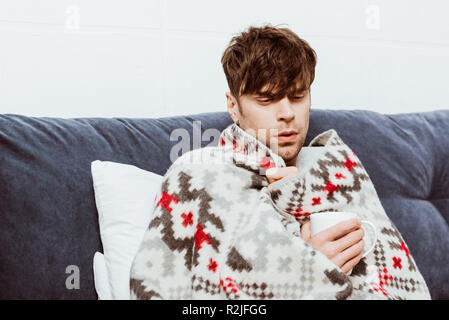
point(271, 95)
point(263, 94)
point(299, 92)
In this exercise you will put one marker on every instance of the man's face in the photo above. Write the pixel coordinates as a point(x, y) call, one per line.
point(269, 120)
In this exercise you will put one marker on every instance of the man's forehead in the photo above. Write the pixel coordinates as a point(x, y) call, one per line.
point(265, 92)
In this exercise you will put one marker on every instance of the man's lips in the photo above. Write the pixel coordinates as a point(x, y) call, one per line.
point(287, 137)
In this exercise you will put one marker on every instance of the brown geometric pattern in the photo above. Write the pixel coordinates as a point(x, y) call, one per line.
point(338, 277)
point(139, 291)
point(185, 194)
point(208, 287)
point(256, 291)
point(329, 184)
point(398, 243)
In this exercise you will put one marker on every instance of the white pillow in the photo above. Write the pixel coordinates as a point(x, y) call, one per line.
point(125, 196)
point(101, 277)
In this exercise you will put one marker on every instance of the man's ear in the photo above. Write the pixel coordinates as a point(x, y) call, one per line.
point(310, 98)
point(232, 107)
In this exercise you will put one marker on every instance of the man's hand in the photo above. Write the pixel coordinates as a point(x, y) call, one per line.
point(341, 243)
point(278, 173)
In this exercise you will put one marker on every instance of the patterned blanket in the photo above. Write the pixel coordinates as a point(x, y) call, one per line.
point(218, 233)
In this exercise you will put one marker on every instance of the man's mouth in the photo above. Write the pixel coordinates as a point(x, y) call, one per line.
point(287, 136)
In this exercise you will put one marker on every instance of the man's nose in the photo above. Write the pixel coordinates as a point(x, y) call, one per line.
point(285, 111)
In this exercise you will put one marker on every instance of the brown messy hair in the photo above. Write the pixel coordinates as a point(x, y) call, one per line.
point(271, 59)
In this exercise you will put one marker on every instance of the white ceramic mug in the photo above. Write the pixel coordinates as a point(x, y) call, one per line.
point(323, 220)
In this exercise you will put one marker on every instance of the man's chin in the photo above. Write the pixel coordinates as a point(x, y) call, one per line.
point(289, 155)
point(287, 150)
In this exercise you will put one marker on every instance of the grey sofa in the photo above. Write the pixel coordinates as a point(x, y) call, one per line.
point(48, 218)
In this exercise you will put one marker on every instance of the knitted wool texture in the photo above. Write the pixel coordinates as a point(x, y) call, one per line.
point(217, 233)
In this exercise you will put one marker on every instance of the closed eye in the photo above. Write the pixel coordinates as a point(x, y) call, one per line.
point(268, 100)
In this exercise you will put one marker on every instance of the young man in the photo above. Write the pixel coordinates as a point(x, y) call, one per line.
point(232, 222)
point(269, 72)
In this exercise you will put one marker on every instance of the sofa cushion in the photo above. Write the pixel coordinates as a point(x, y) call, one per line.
point(48, 218)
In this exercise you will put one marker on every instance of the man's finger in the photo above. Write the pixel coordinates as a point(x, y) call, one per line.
point(349, 240)
point(351, 263)
point(277, 173)
point(339, 230)
point(349, 253)
point(305, 231)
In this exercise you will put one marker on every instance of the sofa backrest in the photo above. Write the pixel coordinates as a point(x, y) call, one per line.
point(48, 217)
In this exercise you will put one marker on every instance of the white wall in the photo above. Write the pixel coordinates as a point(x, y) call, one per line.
point(150, 58)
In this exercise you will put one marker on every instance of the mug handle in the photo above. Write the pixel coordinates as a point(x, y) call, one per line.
point(375, 237)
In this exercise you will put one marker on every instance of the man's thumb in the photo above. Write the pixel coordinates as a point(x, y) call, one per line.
point(272, 171)
point(305, 231)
